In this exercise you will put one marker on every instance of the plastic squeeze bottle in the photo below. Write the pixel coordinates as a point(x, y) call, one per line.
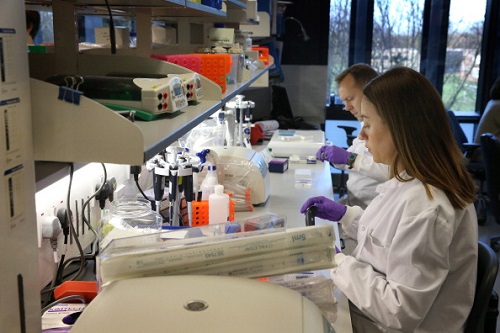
point(218, 206)
point(208, 183)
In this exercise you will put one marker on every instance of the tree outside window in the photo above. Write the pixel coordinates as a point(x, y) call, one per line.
point(397, 40)
point(338, 47)
point(463, 55)
point(397, 34)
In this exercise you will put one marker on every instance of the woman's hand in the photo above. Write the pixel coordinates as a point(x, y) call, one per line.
point(325, 208)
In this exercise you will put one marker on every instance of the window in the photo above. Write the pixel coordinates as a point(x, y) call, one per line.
point(397, 39)
point(46, 33)
point(338, 47)
point(88, 23)
point(397, 34)
point(463, 54)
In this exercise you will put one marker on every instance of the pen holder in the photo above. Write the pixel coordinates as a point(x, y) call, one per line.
point(200, 212)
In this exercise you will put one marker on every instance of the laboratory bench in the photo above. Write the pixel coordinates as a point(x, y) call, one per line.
point(286, 199)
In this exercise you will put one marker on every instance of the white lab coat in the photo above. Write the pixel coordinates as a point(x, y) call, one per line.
point(414, 269)
point(364, 177)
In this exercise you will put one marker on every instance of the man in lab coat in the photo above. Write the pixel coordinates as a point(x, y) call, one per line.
point(364, 174)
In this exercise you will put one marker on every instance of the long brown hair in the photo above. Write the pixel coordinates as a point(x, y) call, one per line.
point(417, 120)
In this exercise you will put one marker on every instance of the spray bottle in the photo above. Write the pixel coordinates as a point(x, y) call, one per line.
point(209, 182)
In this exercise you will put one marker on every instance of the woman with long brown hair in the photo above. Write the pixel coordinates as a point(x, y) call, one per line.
point(414, 268)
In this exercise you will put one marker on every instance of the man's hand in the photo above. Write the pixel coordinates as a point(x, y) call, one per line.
point(333, 154)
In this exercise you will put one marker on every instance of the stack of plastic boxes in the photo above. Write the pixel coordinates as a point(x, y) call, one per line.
point(215, 67)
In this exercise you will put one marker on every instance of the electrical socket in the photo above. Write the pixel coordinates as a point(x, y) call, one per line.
point(106, 193)
point(82, 232)
point(53, 198)
point(51, 227)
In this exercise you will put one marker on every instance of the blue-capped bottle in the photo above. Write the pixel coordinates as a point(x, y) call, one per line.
point(209, 182)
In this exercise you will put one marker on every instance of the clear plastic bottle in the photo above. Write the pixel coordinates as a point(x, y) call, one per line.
point(267, 154)
point(209, 182)
point(218, 206)
point(126, 219)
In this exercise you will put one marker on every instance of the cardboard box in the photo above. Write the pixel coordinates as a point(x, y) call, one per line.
point(164, 35)
point(221, 36)
point(122, 36)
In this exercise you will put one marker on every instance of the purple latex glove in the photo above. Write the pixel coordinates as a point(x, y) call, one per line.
point(333, 154)
point(326, 209)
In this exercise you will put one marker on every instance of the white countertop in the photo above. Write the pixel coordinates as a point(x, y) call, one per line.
point(286, 199)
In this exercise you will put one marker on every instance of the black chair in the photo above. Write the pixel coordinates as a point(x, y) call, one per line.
point(457, 130)
point(349, 133)
point(485, 304)
point(490, 147)
point(475, 165)
point(341, 188)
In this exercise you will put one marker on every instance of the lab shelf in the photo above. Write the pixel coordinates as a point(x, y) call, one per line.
point(235, 12)
point(90, 132)
point(191, 9)
point(116, 3)
point(234, 89)
point(171, 8)
point(236, 4)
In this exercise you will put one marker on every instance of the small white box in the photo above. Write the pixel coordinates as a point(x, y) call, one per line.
point(303, 178)
point(252, 10)
point(303, 143)
point(122, 36)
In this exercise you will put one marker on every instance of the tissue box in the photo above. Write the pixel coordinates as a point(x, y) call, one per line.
point(122, 35)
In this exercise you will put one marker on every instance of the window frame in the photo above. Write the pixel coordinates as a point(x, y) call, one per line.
point(433, 48)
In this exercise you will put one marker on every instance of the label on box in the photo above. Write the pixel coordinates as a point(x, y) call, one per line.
point(52, 319)
point(221, 36)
